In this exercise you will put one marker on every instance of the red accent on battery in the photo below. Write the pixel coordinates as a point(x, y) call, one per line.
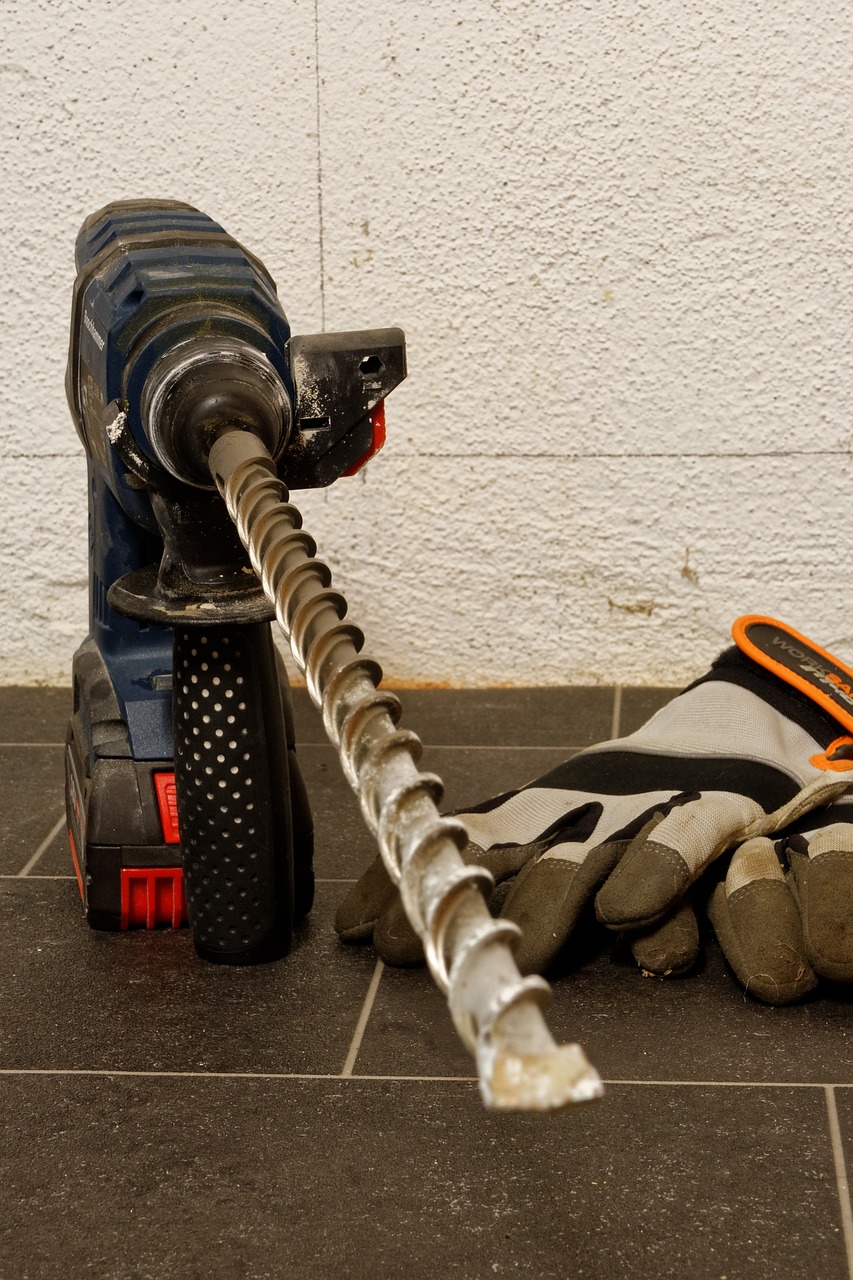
point(377, 422)
point(152, 896)
point(167, 801)
point(77, 870)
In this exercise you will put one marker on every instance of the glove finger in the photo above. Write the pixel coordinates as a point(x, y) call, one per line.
point(375, 897)
point(655, 873)
point(757, 923)
point(547, 899)
point(373, 911)
point(550, 893)
point(394, 938)
point(372, 894)
point(822, 871)
point(672, 947)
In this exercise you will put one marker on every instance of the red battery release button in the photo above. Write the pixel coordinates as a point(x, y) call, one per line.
point(167, 802)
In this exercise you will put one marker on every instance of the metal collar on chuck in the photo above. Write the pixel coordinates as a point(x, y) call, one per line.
point(204, 387)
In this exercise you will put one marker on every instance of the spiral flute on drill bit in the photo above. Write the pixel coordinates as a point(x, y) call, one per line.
point(497, 1013)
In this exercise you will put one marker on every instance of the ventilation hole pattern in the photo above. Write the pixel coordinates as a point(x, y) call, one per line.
point(227, 843)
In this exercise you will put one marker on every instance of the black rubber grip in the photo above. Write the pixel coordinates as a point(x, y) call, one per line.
point(233, 793)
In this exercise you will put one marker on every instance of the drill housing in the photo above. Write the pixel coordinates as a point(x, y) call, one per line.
point(177, 336)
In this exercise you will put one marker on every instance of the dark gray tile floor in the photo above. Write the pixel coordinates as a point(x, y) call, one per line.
point(164, 1118)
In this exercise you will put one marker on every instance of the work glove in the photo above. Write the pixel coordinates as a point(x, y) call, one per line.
point(784, 913)
point(744, 751)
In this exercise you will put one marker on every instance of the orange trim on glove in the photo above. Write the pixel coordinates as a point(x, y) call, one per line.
point(825, 759)
point(820, 668)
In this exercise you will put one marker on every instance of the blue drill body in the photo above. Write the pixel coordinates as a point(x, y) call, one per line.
point(177, 335)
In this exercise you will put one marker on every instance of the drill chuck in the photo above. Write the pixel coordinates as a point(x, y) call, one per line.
point(204, 387)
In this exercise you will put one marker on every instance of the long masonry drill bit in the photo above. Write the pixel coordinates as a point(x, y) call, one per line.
point(497, 1012)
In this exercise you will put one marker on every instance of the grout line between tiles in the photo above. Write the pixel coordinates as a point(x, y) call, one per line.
point(226, 1075)
point(840, 1175)
point(321, 1075)
point(361, 1025)
point(740, 1084)
point(32, 744)
point(471, 746)
point(16, 875)
point(617, 711)
point(51, 835)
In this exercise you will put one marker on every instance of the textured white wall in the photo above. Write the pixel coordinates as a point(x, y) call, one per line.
point(618, 236)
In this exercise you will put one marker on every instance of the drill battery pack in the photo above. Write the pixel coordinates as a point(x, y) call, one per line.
point(122, 811)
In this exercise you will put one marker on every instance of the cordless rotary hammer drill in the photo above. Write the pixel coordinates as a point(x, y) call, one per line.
point(183, 790)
